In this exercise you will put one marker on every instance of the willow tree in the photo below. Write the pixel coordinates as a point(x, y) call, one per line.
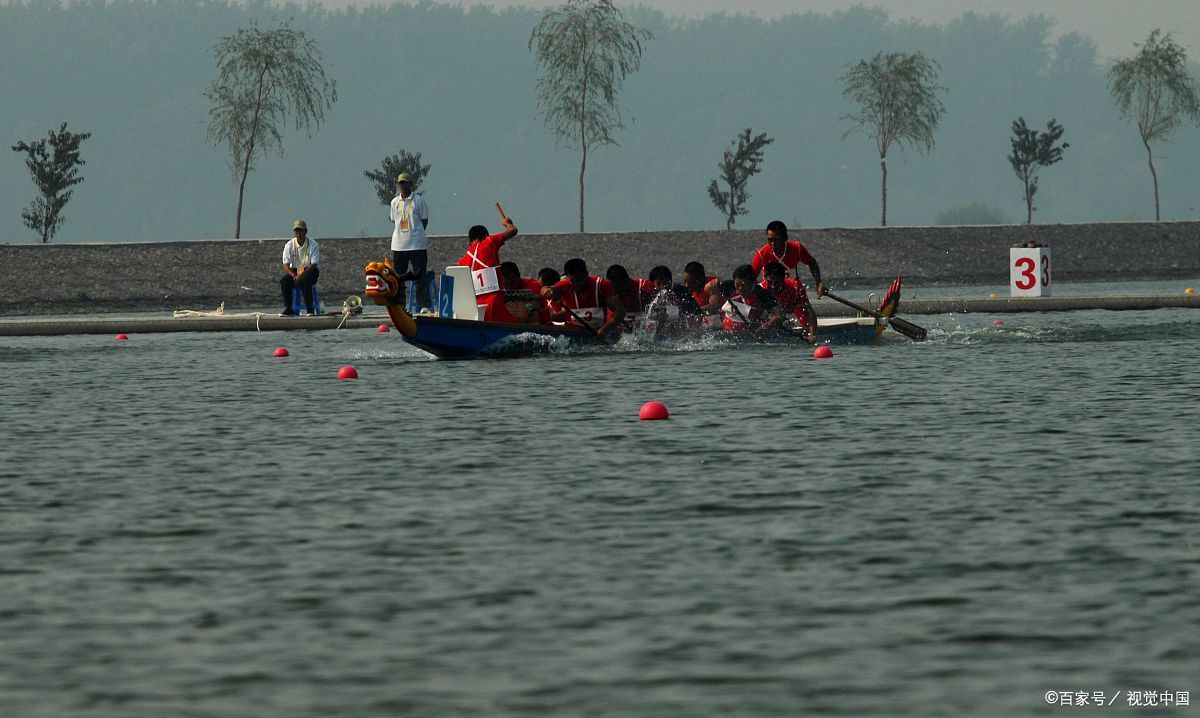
point(737, 166)
point(897, 95)
point(1155, 89)
point(54, 163)
point(264, 78)
point(1032, 150)
point(585, 49)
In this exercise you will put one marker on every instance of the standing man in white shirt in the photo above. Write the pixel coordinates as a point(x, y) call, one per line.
point(410, 215)
point(300, 259)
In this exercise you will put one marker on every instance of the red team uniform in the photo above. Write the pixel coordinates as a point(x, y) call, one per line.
point(636, 299)
point(749, 307)
point(590, 303)
point(793, 298)
point(483, 258)
point(498, 309)
point(794, 253)
point(701, 295)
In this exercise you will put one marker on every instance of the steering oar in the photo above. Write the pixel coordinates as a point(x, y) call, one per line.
point(905, 327)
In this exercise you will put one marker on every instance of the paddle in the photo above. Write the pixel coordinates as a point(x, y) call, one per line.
point(738, 311)
point(595, 334)
point(905, 327)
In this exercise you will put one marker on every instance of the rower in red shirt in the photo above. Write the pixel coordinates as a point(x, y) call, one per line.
point(589, 299)
point(744, 305)
point(789, 254)
point(793, 300)
point(519, 301)
point(701, 285)
point(548, 277)
point(697, 281)
point(635, 294)
point(673, 310)
point(483, 257)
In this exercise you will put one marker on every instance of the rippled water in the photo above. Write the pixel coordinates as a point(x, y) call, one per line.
point(190, 527)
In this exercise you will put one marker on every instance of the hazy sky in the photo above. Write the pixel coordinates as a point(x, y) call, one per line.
point(1114, 24)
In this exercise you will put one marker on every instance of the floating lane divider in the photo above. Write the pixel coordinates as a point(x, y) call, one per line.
point(60, 326)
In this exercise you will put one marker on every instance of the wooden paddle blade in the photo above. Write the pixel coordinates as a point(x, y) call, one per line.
point(890, 303)
point(908, 329)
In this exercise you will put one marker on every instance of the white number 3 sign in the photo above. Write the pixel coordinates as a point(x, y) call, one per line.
point(1029, 271)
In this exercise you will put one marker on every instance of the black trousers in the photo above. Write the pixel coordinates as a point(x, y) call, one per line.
point(287, 284)
point(418, 258)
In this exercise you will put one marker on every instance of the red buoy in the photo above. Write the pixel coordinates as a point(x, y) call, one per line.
point(122, 337)
point(822, 352)
point(653, 411)
point(347, 372)
point(997, 322)
point(383, 329)
point(281, 351)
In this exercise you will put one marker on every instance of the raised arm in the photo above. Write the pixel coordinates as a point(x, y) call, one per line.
point(510, 229)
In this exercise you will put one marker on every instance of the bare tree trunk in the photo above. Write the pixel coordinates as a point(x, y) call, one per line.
point(1028, 203)
point(732, 213)
point(883, 191)
point(237, 227)
point(1154, 175)
point(582, 169)
point(237, 224)
point(583, 145)
point(46, 226)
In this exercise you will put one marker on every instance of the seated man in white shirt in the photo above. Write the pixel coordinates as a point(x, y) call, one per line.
point(300, 259)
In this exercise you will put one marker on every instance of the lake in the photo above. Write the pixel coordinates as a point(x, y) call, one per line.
point(191, 527)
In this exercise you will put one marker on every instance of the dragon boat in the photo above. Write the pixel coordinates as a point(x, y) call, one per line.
point(456, 330)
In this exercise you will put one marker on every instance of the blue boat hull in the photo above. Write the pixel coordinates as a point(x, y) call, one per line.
point(448, 338)
point(460, 338)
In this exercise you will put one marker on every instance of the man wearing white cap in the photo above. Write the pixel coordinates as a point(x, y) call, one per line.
point(410, 214)
point(300, 259)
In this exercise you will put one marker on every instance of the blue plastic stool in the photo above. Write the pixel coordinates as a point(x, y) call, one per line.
point(412, 306)
point(298, 301)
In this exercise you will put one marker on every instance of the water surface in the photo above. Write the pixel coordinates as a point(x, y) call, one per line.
point(189, 526)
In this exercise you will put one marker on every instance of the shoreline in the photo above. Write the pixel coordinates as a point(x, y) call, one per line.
point(159, 323)
point(41, 280)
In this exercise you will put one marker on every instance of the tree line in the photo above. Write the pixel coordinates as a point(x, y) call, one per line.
point(584, 50)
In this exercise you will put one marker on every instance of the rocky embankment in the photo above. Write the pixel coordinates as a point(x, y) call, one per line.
point(244, 274)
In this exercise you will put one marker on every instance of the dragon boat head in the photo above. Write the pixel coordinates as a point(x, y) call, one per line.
point(383, 284)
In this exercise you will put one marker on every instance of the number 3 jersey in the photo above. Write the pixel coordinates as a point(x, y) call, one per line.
point(590, 302)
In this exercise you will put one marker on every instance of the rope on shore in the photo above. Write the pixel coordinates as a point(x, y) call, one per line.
point(218, 312)
point(347, 311)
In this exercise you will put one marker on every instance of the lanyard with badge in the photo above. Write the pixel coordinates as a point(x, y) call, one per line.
point(406, 208)
point(301, 253)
